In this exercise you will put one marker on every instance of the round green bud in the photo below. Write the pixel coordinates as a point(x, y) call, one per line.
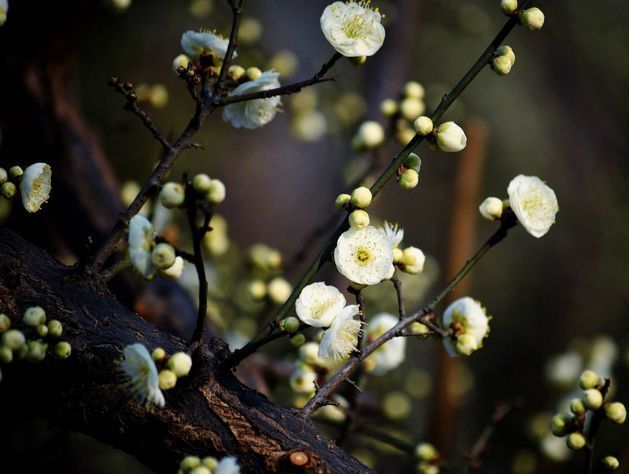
point(361, 197)
point(509, 7)
point(414, 90)
point(297, 340)
point(575, 441)
point(423, 125)
point(369, 135)
point(388, 107)
point(15, 171)
point(419, 328)
point(309, 353)
point(201, 183)
point(8, 190)
point(592, 398)
point(158, 354)
point(413, 162)
point(5, 323)
point(610, 463)
point(217, 192)
point(210, 462)
point(290, 324)
point(6, 355)
point(167, 379)
point(561, 424)
point(63, 350)
point(426, 452)
point(279, 290)
point(256, 289)
point(3, 176)
point(37, 351)
point(163, 256)
point(409, 179)
point(13, 339)
point(34, 316)
point(501, 65)
point(342, 200)
point(577, 407)
point(411, 108)
point(42, 330)
point(22, 352)
point(398, 255)
point(358, 219)
point(589, 379)
point(532, 18)
point(189, 462)
point(253, 73)
point(180, 363)
point(172, 195)
point(616, 412)
point(236, 72)
point(508, 52)
point(200, 470)
point(55, 328)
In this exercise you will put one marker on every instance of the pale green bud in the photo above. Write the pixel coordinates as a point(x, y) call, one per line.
point(22, 352)
point(616, 412)
point(414, 89)
point(413, 162)
point(167, 379)
point(42, 330)
point(15, 172)
point(5, 323)
point(34, 316)
point(63, 350)
point(210, 462)
point(501, 65)
point(466, 344)
point(279, 290)
point(561, 424)
point(290, 324)
point(158, 96)
point(201, 183)
point(200, 470)
point(342, 200)
point(180, 61)
point(253, 73)
point(592, 398)
point(508, 52)
point(297, 340)
point(610, 463)
point(158, 354)
point(491, 208)
point(163, 256)
point(6, 355)
point(370, 134)
point(358, 219)
point(257, 289)
point(388, 107)
point(419, 328)
point(8, 190)
point(411, 108)
point(55, 328)
point(36, 351)
point(532, 18)
point(172, 195)
point(361, 197)
point(13, 339)
point(398, 255)
point(409, 179)
point(509, 7)
point(189, 462)
point(180, 363)
point(450, 137)
point(589, 379)
point(575, 441)
point(309, 353)
point(3, 176)
point(236, 72)
point(423, 125)
point(577, 406)
point(426, 452)
point(217, 192)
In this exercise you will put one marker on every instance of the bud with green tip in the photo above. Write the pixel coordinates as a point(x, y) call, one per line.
point(532, 18)
point(217, 192)
point(501, 65)
point(163, 256)
point(189, 462)
point(361, 197)
point(55, 328)
point(358, 219)
point(36, 351)
point(167, 379)
point(409, 179)
point(592, 398)
point(236, 72)
point(8, 190)
point(561, 424)
point(423, 125)
point(426, 452)
point(15, 172)
point(342, 200)
point(509, 7)
point(13, 339)
point(42, 330)
point(5, 323)
point(290, 324)
point(172, 195)
point(297, 340)
point(63, 350)
point(253, 73)
point(158, 354)
point(201, 183)
point(610, 463)
point(616, 412)
point(577, 407)
point(180, 363)
point(413, 162)
point(210, 462)
point(6, 355)
point(589, 379)
point(508, 52)
point(34, 316)
point(491, 208)
point(575, 441)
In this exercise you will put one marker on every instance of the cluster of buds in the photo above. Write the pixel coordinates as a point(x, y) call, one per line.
point(408, 173)
point(156, 95)
point(405, 110)
point(428, 457)
point(171, 367)
point(266, 283)
point(532, 18)
point(34, 183)
point(212, 191)
point(591, 404)
point(503, 60)
point(356, 202)
point(208, 465)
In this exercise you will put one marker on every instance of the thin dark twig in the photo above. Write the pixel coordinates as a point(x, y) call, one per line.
point(397, 284)
point(231, 47)
point(590, 436)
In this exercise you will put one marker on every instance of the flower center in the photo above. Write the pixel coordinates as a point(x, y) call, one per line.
point(320, 309)
point(363, 255)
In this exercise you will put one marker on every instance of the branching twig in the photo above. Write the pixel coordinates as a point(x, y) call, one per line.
point(236, 6)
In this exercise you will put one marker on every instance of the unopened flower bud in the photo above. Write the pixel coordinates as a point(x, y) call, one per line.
point(189, 462)
point(158, 354)
point(358, 219)
point(610, 463)
point(3, 176)
point(180, 363)
point(217, 192)
point(256, 289)
point(411, 108)
point(388, 107)
point(342, 200)
point(419, 328)
point(236, 72)
point(361, 197)
point(297, 340)
point(55, 328)
point(63, 350)
point(37, 351)
point(172, 195)
point(398, 255)
point(575, 441)
point(290, 324)
point(370, 134)
point(13, 339)
point(42, 330)
point(414, 89)
point(501, 65)
point(167, 379)
point(509, 7)
point(15, 172)
point(616, 412)
point(34, 316)
point(561, 424)
point(253, 73)
point(491, 208)
point(577, 406)
point(508, 52)
point(279, 290)
point(426, 452)
point(210, 462)
point(6, 355)
point(413, 162)
point(163, 256)
point(450, 137)
point(5, 323)
point(592, 398)
point(201, 183)
point(413, 260)
point(8, 190)
point(180, 61)
point(532, 18)
point(589, 379)
point(409, 179)
point(423, 125)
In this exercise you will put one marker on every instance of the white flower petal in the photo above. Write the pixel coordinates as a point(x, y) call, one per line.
point(353, 29)
point(141, 375)
point(35, 186)
point(141, 241)
point(392, 353)
point(341, 339)
point(254, 113)
point(318, 304)
point(228, 465)
point(534, 203)
point(364, 256)
point(470, 316)
point(195, 43)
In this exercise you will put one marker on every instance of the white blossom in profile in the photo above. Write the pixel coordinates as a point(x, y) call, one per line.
point(534, 204)
point(392, 353)
point(196, 43)
point(35, 186)
point(141, 378)
point(353, 28)
point(364, 256)
point(471, 323)
point(258, 112)
point(341, 338)
point(140, 242)
point(228, 465)
point(318, 304)
point(450, 137)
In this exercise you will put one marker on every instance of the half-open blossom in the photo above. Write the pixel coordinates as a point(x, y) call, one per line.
point(228, 465)
point(318, 304)
point(196, 43)
point(341, 338)
point(35, 186)
point(450, 137)
point(353, 28)
point(141, 376)
point(413, 260)
point(141, 241)
point(467, 318)
point(534, 204)
point(390, 354)
point(364, 256)
point(254, 113)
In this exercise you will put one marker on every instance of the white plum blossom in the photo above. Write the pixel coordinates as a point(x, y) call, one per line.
point(471, 326)
point(318, 304)
point(341, 339)
point(4, 8)
point(364, 256)
point(450, 137)
point(35, 186)
point(353, 28)
point(391, 354)
point(141, 375)
point(141, 241)
point(228, 465)
point(196, 43)
point(254, 113)
point(534, 204)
